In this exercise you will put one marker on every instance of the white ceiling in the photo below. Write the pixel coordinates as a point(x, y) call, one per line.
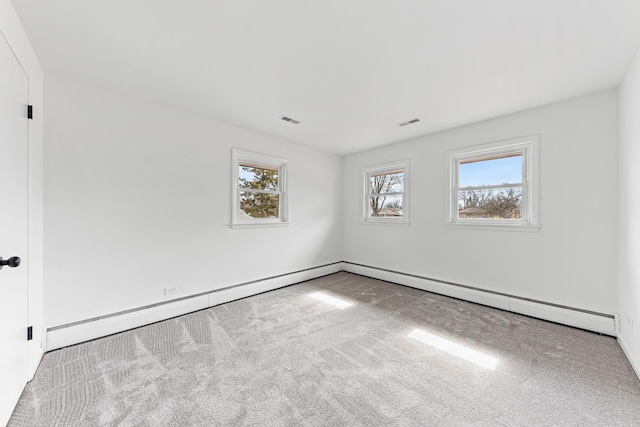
point(350, 70)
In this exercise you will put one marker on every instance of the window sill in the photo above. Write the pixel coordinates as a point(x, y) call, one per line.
point(495, 227)
point(385, 222)
point(259, 225)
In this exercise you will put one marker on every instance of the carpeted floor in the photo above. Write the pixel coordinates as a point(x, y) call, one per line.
point(303, 356)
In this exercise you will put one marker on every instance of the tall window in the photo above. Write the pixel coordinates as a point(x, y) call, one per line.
point(494, 184)
point(386, 196)
point(259, 189)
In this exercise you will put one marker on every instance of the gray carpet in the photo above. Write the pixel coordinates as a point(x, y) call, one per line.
point(297, 356)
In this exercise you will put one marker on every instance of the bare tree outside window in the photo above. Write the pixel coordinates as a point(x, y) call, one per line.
point(386, 194)
point(504, 203)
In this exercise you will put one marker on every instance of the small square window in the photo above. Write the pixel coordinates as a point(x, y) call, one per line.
point(386, 198)
point(494, 184)
point(259, 189)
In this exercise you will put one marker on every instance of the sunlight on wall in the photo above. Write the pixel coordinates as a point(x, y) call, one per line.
point(455, 349)
point(336, 302)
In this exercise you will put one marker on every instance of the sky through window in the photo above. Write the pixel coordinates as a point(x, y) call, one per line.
point(507, 170)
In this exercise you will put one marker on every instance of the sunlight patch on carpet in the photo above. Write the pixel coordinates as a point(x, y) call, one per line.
point(455, 349)
point(328, 299)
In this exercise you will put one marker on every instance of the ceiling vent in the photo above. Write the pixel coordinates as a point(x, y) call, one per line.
point(409, 122)
point(290, 120)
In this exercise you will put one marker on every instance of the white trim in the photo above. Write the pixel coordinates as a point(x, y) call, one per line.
point(494, 226)
point(58, 337)
point(238, 156)
point(529, 147)
point(102, 327)
point(261, 224)
point(635, 363)
point(567, 316)
point(385, 221)
point(405, 166)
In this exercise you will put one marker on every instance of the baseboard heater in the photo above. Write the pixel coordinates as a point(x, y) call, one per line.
point(88, 329)
point(84, 330)
point(603, 323)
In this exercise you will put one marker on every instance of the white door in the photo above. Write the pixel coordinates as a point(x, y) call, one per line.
point(14, 350)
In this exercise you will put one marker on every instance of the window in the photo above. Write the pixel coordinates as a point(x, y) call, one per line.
point(259, 189)
point(494, 185)
point(386, 195)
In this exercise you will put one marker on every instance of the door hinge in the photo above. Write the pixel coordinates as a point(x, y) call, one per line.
point(30, 111)
point(29, 333)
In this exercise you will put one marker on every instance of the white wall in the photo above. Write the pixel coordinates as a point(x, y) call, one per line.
point(12, 30)
point(629, 214)
point(571, 261)
point(137, 198)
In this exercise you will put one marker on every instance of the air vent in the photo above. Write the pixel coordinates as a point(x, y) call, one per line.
point(409, 122)
point(290, 120)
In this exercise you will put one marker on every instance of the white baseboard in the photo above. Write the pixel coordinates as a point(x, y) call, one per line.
point(601, 323)
point(58, 337)
point(243, 291)
point(635, 363)
point(80, 332)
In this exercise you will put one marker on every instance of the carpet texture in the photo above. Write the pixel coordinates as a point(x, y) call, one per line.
point(301, 356)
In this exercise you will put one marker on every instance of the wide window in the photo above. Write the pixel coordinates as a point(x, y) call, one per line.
point(494, 184)
point(386, 198)
point(259, 189)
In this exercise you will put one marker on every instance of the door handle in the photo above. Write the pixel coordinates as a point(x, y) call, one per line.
point(14, 261)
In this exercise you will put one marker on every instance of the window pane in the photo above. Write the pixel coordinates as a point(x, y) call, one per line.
point(259, 205)
point(493, 171)
point(387, 183)
point(257, 177)
point(386, 207)
point(499, 203)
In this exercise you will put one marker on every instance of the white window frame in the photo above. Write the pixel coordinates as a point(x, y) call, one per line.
point(528, 147)
point(390, 167)
point(239, 156)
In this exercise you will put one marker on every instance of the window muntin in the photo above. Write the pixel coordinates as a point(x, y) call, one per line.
point(494, 185)
point(386, 196)
point(258, 189)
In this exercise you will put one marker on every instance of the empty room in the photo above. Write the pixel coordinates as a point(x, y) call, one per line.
point(335, 213)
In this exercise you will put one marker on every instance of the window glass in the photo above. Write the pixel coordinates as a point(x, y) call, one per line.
point(479, 192)
point(392, 182)
point(386, 196)
point(495, 203)
point(260, 205)
point(492, 171)
point(258, 177)
point(386, 206)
